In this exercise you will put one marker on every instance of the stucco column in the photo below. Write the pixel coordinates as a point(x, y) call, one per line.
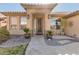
point(29, 25)
point(47, 22)
point(8, 23)
point(18, 22)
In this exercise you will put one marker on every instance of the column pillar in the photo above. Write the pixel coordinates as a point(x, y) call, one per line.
point(18, 22)
point(29, 25)
point(8, 22)
point(47, 22)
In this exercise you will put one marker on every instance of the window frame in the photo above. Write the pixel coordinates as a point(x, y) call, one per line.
point(23, 25)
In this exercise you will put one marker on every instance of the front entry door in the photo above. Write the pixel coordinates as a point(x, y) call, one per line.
point(39, 27)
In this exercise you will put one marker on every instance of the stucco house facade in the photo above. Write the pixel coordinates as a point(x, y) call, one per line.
point(72, 24)
point(35, 18)
point(38, 19)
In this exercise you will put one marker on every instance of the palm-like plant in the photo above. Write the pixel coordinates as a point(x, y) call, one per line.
point(26, 30)
point(27, 33)
point(49, 34)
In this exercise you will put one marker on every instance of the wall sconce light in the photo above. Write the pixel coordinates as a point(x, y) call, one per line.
point(28, 16)
point(70, 23)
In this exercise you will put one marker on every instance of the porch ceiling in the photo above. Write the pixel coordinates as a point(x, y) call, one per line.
point(38, 8)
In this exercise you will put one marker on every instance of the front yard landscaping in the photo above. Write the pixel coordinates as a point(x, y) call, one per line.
point(13, 44)
point(4, 35)
point(17, 50)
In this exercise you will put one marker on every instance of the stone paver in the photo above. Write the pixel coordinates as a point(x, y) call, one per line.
point(38, 46)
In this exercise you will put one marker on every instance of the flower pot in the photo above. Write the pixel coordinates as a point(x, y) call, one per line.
point(27, 36)
point(49, 37)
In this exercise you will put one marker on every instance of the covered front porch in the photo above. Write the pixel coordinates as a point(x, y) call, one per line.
point(38, 17)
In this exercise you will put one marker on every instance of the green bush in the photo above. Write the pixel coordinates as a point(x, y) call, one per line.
point(4, 31)
point(26, 30)
point(49, 32)
point(4, 35)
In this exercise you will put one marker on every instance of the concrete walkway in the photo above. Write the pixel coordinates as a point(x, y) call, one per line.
point(37, 46)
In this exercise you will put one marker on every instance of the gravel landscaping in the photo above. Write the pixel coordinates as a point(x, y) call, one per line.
point(16, 45)
point(15, 41)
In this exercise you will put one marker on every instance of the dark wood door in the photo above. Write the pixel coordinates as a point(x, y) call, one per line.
point(39, 27)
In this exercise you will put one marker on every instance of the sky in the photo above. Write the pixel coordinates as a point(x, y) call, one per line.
point(61, 7)
point(67, 7)
point(4, 7)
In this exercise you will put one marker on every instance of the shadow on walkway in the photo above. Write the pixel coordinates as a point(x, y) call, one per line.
point(59, 42)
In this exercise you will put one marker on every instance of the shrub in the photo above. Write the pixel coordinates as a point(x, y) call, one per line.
point(26, 30)
point(4, 35)
point(49, 32)
point(4, 31)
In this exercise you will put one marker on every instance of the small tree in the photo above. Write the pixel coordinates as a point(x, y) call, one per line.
point(62, 22)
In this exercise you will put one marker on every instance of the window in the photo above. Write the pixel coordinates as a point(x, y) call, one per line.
point(13, 22)
point(58, 24)
point(23, 22)
point(55, 23)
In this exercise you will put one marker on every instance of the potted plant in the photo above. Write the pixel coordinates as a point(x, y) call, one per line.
point(27, 34)
point(49, 34)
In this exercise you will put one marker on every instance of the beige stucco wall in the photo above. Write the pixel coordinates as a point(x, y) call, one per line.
point(45, 23)
point(29, 22)
point(73, 29)
point(18, 31)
